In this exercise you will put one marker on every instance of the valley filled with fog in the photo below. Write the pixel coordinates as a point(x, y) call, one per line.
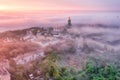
point(11, 21)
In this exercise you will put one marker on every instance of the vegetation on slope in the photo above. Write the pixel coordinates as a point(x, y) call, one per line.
point(91, 71)
point(50, 70)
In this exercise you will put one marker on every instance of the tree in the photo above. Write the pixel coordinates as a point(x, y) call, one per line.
point(50, 67)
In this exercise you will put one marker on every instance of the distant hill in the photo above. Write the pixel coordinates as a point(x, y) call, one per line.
point(18, 34)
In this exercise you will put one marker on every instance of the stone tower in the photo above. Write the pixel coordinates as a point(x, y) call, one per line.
point(69, 22)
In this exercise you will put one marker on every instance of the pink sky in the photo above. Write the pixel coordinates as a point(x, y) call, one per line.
point(37, 5)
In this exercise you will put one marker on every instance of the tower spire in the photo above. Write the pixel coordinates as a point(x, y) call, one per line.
point(69, 22)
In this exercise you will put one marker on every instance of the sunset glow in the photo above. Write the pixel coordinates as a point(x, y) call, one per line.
point(4, 7)
point(30, 5)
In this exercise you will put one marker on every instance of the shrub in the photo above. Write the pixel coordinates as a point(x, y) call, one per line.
point(108, 72)
point(91, 72)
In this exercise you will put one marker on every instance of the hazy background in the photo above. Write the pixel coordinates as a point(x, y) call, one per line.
point(13, 21)
point(15, 14)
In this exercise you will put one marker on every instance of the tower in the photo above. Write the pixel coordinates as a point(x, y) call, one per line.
point(69, 22)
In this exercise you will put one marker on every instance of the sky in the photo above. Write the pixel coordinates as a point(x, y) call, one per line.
point(30, 5)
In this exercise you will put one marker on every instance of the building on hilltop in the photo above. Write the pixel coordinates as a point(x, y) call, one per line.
point(69, 22)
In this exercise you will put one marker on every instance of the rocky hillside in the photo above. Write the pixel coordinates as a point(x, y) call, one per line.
point(21, 34)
